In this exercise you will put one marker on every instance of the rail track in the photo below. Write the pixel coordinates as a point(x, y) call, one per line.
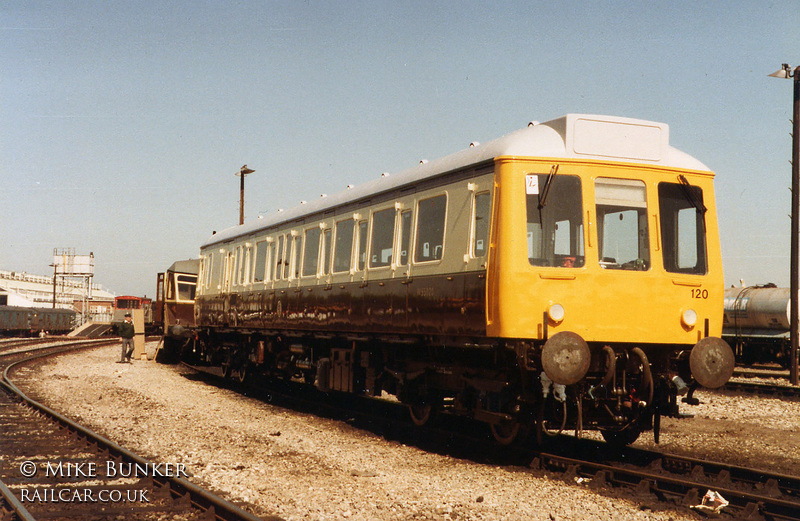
point(10, 344)
point(56, 469)
point(765, 389)
point(772, 382)
point(680, 481)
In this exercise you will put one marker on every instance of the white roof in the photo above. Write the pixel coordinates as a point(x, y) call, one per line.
point(572, 136)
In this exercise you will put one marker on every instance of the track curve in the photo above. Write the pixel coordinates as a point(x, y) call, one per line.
point(56, 469)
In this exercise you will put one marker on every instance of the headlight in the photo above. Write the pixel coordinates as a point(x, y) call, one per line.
point(689, 318)
point(556, 313)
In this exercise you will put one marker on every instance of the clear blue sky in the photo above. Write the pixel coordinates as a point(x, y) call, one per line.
point(123, 123)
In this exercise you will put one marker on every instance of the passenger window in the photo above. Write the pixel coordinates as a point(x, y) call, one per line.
point(555, 220)
point(327, 248)
point(683, 231)
point(212, 275)
point(343, 249)
point(279, 261)
point(311, 252)
point(228, 270)
point(382, 238)
point(481, 225)
point(219, 271)
point(246, 262)
point(269, 261)
point(237, 271)
point(295, 258)
point(362, 245)
point(431, 214)
point(259, 270)
point(622, 229)
point(405, 237)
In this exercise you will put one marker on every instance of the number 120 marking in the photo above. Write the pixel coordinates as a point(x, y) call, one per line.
point(699, 293)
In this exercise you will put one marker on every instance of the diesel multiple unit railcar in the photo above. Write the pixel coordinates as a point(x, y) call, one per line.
point(564, 276)
point(126, 304)
point(173, 310)
point(26, 321)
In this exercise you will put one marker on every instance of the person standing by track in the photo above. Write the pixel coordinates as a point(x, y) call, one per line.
point(127, 332)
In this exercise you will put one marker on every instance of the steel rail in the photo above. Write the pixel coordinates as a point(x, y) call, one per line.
point(178, 487)
point(777, 390)
point(767, 501)
point(16, 511)
point(679, 479)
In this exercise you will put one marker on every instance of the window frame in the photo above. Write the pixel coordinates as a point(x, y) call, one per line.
point(620, 206)
point(302, 271)
point(537, 230)
point(405, 236)
point(326, 251)
point(335, 242)
point(362, 226)
point(701, 231)
point(371, 243)
point(418, 215)
point(264, 264)
point(474, 224)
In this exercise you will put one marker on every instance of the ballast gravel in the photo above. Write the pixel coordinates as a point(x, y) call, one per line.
point(297, 466)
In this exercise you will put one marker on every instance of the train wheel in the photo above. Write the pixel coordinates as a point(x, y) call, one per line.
point(242, 373)
point(227, 365)
point(420, 413)
point(505, 432)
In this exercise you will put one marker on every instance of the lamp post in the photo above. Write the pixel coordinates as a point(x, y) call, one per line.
point(241, 173)
point(794, 270)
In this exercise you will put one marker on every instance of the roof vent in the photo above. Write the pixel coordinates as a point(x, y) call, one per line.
point(350, 186)
point(474, 144)
point(423, 161)
point(303, 202)
point(385, 174)
point(323, 195)
point(532, 123)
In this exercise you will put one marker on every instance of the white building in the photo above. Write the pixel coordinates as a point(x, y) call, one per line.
point(24, 289)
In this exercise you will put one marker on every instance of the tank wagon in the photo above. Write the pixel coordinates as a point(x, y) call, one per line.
point(564, 276)
point(26, 321)
point(173, 310)
point(756, 324)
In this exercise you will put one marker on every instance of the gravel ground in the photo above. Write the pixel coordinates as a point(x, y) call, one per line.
point(298, 466)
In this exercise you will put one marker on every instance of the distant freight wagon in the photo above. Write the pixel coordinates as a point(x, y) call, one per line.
point(26, 321)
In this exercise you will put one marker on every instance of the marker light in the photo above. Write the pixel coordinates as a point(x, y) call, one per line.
point(689, 318)
point(556, 313)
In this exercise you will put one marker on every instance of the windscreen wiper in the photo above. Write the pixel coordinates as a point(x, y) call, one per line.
point(690, 196)
point(546, 188)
